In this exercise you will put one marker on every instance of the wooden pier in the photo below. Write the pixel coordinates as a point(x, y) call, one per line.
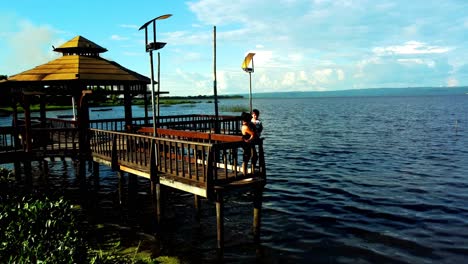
point(202, 163)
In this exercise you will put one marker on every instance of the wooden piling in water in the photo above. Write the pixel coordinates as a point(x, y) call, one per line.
point(96, 174)
point(257, 212)
point(220, 222)
point(121, 186)
point(197, 204)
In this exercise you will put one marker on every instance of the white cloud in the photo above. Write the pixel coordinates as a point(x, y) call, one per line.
point(341, 75)
point(410, 48)
point(118, 38)
point(129, 26)
point(429, 63)
point(28, 46)
point(452, 82)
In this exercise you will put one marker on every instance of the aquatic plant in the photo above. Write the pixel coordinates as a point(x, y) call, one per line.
point(234, 108)
point(40, 230)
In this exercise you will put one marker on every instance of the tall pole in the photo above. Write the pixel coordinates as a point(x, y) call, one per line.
point(153, 108)
point(159, 83)
point(246, 68)
point(250, 91)
point(215, 90)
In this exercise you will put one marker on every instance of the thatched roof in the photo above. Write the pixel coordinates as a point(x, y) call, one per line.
point(79, 67)
point(80, 62)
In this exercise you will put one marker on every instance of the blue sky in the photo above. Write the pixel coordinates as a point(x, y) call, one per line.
point(315, 45)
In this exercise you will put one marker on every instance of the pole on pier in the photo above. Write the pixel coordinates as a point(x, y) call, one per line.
point(215, 88)
point(155, 185)
point(245, 66)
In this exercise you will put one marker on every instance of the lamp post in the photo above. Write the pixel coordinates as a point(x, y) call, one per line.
point(150, 47)
point(246, 68)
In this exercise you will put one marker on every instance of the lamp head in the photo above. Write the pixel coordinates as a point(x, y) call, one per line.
point(155, 46)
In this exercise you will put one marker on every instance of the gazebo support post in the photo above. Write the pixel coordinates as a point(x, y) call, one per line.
point(17, 164)
point(27, 141)
point(128, 109)
point(43, 110)
point(83, 125)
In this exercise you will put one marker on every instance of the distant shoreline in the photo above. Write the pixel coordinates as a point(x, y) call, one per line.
point(416, 91)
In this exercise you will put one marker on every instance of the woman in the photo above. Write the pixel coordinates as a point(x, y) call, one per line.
point(249, 136)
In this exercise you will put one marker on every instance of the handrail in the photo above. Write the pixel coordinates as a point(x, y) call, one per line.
point(183, 158)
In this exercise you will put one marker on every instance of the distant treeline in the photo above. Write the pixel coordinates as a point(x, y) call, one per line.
point(409, 91)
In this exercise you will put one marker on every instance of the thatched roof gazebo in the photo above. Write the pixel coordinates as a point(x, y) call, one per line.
point(78, 72)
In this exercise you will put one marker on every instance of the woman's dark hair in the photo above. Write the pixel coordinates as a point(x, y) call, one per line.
point(246, 117)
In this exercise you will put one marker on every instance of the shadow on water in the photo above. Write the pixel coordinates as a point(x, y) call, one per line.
point(131, 225)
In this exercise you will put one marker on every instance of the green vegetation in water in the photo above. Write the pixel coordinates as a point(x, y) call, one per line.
point(234, 108)
point(37, 108)
point(166, 102)
point(41, 229)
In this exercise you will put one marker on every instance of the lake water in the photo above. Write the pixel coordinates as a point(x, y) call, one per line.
point(350, 180)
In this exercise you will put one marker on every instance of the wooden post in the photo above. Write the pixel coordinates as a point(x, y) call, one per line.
point(17, 143)
point(43, 110)
point(220, 222)
point(96, 174)
point(128, 109)
point(83, 124)
point(45, 168)
point(27, 124)
point(257, 213)
point(197, 206)
point(158, 202)
point(121, 186)
point(28, 142)
point(17, 166)
point(132, 193)
point(155, 185)
point(28, 173)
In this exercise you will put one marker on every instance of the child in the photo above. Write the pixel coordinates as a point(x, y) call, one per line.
point(256, 121)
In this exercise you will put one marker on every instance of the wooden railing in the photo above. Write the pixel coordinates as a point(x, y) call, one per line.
point(229, 125)
point(8, 140)
point(203, 123)
point(61, 123)
point(62, 141)
point(176, 157)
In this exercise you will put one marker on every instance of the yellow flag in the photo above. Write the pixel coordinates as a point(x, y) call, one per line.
point(247, 60)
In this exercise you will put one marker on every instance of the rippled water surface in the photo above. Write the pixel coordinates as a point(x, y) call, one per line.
point(350, 180)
